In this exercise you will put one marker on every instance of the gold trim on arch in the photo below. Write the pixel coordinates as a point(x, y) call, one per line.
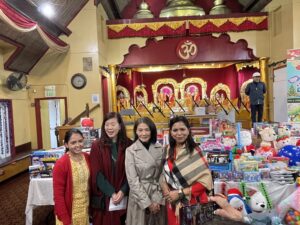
point(245, 98)
point(126, 95)
point(124, 90)
point(196, 80)
point(240, 66)
point(164, 81)
point(218, 87)
point(143, 90)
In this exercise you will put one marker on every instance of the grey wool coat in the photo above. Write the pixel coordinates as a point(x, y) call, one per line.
point(143, 169)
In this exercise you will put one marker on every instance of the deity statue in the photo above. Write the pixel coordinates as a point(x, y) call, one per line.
point(161, 98)
point(140, 101)
point(172, 99)
point(188, 99)
point(122, 102)
point(197, 96)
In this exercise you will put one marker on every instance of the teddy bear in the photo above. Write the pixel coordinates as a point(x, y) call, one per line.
point(258, 202)
point(284, 137)
point(284, 131)
point(235, 199)
point(282, 141)
point(266, 148)
point(259, 206)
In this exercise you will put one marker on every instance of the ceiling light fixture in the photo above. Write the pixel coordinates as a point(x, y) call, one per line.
point(47, 10)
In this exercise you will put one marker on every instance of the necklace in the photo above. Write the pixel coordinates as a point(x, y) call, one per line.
point(76, 158)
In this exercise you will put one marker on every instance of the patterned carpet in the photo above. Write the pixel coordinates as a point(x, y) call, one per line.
point(13, 197)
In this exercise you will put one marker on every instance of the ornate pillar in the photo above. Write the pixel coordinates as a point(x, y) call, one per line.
point(263, 64)
point(112, 69)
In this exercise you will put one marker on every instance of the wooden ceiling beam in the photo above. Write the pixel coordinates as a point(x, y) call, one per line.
point(256, 5)
point(111, 8)
point(30, 11)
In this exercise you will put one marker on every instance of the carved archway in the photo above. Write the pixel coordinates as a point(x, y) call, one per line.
point(193, 80)
point(168, 81)
point(145, 95)
point(216, 89)
point(124, 100)
point(245, 98)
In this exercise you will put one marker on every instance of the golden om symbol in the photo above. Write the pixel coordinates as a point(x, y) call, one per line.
point(187, 50)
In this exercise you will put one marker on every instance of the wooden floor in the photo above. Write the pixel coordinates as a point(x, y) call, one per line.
point(13, 197)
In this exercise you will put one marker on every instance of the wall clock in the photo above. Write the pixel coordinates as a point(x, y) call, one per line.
point(78, 81)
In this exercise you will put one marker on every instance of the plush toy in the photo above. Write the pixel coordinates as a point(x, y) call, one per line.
point(284, 137)
point(258, 202)
point(246, 141)
point(235, 199)
point(292, 152)
point(282, 141)
point(268, 137)
point(228, 142)
point(284, 131)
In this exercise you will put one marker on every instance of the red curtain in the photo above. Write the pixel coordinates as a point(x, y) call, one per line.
point(18, 19)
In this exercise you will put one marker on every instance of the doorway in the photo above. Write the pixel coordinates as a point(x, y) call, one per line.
point(50, 113)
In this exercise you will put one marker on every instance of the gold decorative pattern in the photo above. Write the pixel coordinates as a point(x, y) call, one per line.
point(193, 80)
point(175, 25)
point(117, 27)
point(218, 22)
point(256, 19)
point(198, 23)
point(145, 97)
point(238, 21)
point(244, 97)
point(218, 87)
point(126, 101)
point(158, 82)
point(136, 26)
point(153, 26)
point(240, 66)
point(124, 90)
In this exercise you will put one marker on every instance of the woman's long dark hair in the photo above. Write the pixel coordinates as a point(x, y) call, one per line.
point(189, 142)
point(151, 126)
point(69, 134)
point(122, 137)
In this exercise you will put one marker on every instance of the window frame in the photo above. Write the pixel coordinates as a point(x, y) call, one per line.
point(11, 128)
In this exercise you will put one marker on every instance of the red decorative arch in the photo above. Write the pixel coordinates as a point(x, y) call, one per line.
point(210, 49)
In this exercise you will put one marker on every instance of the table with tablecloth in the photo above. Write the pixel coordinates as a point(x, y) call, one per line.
point(276, 191)
point(40, 193)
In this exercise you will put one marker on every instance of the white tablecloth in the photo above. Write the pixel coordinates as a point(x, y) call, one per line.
point(40, 192)
point(276, 191)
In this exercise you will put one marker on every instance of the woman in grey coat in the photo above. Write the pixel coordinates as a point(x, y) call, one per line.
point(143, 165)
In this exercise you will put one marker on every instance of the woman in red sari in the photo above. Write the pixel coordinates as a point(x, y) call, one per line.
point(108, 171)
point(186, 172)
